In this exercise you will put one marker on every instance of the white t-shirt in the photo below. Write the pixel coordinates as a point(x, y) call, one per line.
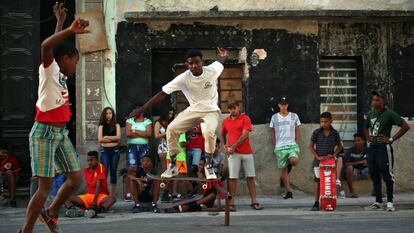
point(200, 91)
point(285, 128)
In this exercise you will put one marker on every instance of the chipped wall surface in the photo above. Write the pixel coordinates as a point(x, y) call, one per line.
point(124, 74)
point(286, 51)
point(385, 49)
point(290, 68)
point(269, 5)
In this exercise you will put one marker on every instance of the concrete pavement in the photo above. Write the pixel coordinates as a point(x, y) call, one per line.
point(278, 216)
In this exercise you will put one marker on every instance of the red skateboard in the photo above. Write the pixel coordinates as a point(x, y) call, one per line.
point(327, 185)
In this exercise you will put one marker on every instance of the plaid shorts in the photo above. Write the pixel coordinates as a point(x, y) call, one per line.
point(51, 151)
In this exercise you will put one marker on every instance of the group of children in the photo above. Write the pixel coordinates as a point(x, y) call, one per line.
point(52, 152)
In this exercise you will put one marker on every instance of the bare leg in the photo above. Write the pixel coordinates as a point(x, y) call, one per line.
point(113, 190)
point(316, 191)
point(251, 185)
point(131, 171)
point(349, 177)
point(175, 188)
point(155, 191)
point(12, 179)
point(71, 184)
point(207, 198)
point(135, 190)
point(163, 161)
point(106, 203)
point(36, 203)
point(285, 178)
point(285, 173)
point(339, 165)
point(74, 200)
point(233, 188)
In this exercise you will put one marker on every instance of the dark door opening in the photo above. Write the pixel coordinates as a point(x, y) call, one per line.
point(47, 29)
point(24, 25)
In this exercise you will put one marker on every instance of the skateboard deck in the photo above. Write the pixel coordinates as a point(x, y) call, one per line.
point(163, 181)
point(327, 184)
point(180, 202)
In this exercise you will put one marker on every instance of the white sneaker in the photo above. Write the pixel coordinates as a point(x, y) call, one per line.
point(90, 213)
point(390, 207)
point(338, 183)
point(341, 194)
point(209, 171)
point(171, 171)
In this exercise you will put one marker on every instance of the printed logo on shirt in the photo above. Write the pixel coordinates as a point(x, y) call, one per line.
point(64, 92)
point(358, 156)
point(375, 126)
point(208, 85)
point(7, 166)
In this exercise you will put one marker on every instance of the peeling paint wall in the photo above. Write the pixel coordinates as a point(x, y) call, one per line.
point(285, 52)
point(240, 5)
point(290, 68)
point(121, 76)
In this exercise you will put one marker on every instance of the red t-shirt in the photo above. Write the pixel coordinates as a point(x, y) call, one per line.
point(195, 140)
point(91, 179)
point(9, 164)
point(234, 129)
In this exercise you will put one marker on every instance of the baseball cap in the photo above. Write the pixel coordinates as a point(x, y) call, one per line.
point(283, 100)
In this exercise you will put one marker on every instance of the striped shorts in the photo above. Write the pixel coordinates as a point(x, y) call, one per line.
point(51, 151)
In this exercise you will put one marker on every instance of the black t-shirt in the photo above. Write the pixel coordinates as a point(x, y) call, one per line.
point(351, 156)
point(108, 130)
point(142, 174)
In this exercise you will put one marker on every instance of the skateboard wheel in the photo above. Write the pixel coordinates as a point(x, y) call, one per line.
point(162, 185)
point(204, 186)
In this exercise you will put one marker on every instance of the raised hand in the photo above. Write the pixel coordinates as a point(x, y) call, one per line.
point(222, 52)
point(60, 11)
point(79, 26)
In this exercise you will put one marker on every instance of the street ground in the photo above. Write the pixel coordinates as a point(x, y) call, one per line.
point(278, 216)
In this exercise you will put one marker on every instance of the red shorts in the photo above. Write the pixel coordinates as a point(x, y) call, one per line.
point(88, 199)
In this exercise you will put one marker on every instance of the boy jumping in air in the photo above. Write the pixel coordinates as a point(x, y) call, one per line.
point(50, 147)
point(199, 85)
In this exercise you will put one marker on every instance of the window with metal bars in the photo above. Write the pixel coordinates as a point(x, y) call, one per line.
point(338, 93)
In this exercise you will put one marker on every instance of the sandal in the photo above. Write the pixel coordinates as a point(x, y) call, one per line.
point(256, 206)
point(232, 208)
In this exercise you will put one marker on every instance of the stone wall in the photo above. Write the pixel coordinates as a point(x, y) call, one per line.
point(267, 174)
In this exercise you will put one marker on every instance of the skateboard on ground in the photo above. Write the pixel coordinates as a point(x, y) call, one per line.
point(180, 202)
point(327, 184)
point(164, 181)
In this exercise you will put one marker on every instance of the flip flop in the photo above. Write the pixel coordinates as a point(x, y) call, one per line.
point(256, 206)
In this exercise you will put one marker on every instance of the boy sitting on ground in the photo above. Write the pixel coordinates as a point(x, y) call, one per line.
point(144, 189)
point(9, 171)
point(209, 194)
point(97, 199)
point(356, 158)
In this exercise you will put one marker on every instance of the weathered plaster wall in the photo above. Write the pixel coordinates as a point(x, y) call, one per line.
point(386, 50)
point(292, 60)
point(195, 5)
